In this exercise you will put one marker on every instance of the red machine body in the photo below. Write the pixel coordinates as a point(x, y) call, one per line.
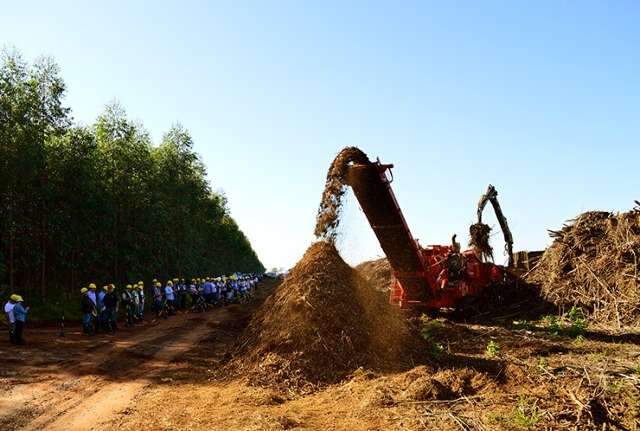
point(445, 291)
point(435, 276)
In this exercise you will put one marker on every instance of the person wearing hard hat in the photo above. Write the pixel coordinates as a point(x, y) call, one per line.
point(157, 298)
point(127, 301)
point(186, 294)
point(168, 292)
point(183, 292)
point(92, 294)
point(176, 293)
point(88, 308)
point(215, 293)
point(135, 301)
point(101, 320)
point(220, 289)
point(20, 314)
point(192, 291)
point(207, 290)
point(141, 296)
point(8, 311)
point(111, 309)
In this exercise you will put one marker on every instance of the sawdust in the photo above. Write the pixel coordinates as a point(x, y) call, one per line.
point(328, 217)
point(321, 324)
point(377, 273)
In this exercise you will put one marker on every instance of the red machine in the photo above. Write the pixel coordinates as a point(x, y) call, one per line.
point(435, 276)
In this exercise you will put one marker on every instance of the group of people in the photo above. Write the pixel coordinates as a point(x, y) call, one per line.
point(100, 307)
point(203, 293)
point(16, 314)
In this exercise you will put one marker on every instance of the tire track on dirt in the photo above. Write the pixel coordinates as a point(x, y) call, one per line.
point(80, 380)
point(112, 382)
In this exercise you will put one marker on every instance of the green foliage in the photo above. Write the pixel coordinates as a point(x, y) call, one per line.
point(553, 324)
point(573, 323)
point(493, 349)
point(100, 203)
point(526, 414)
point(578, 322)
point(579, 340)
point(615, 386)
point(53, 310)
point(542, 363)
point(428, 331)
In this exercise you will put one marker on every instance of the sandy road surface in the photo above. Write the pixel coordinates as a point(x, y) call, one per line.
point(169, 375)
point(82, 383)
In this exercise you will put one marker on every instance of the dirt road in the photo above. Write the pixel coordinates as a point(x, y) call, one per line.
point(80, 383)
point(167, 376)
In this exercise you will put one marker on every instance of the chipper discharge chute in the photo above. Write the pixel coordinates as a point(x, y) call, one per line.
point(434, 276)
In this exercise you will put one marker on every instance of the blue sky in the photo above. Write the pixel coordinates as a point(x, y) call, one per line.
point(540, 99)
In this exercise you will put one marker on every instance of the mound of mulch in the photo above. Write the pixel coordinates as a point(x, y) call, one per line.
point(420, 384)
point(322, 323)
point(594, 262)
point(328, 217)
point(377, 273)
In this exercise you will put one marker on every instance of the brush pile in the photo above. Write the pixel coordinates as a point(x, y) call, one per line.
point(328, 216)
point(322, 323)
point(479, 238)
point(594, 262)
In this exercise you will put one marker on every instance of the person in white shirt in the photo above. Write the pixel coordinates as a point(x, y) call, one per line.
point(169, 295)
point(141, 295)
point(8, 310)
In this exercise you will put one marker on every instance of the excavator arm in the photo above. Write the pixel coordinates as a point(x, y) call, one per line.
point(492, 196)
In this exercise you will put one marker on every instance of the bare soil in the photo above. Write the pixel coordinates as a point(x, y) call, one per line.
point(170, 375)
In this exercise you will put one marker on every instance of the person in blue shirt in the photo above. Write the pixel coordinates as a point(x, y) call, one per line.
point(207, 290)
point(168, 292)
point(8, 310)
point(20, 314)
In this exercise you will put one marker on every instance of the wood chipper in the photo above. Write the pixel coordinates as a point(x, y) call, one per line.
point(433, 276)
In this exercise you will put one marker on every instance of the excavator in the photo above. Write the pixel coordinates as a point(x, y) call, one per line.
point(491, 195)
point(434, 276)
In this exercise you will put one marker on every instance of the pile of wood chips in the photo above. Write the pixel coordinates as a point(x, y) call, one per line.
point(328, 217)
point(322, 323)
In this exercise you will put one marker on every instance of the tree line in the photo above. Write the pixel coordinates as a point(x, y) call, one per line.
point(100, 202)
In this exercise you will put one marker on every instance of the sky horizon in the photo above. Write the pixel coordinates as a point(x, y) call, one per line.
point(539, 100)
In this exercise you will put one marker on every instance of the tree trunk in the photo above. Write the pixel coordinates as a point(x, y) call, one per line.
point(73, 269)
point(43, 253)
point(12, 246)
point(115, 245)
